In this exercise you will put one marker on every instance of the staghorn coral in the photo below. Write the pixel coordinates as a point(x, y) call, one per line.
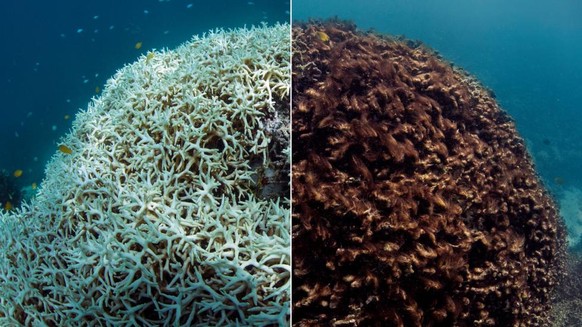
point(173, 206)
point(415, 202)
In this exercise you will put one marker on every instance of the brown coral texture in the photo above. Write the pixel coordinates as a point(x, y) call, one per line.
point(415, 201)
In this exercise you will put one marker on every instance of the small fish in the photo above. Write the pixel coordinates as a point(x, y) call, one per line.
point(17, 173)
point(7, 206)
point(322, 36)
point(65, 149)
point(138, 45)
point(67, 117)
point(33, 186)
point(150, 56)
point(97, 89)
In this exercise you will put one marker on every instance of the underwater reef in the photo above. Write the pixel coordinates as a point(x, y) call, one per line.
point(415, 202)
point(168, 202)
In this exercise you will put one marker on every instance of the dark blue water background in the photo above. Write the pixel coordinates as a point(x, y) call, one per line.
point(49, 69)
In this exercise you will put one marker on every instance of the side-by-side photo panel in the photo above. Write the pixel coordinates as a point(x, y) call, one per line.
point(415, 201)
point(165, 200)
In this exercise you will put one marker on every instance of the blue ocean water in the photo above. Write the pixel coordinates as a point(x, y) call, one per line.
point(57, 55)
point(529, 52)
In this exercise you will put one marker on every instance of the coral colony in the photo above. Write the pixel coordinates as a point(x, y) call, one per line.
point(168, 202)
point(415, 202)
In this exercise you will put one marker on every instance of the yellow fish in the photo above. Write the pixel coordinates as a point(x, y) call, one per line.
point(7, 206)
point(138, 45)
point(150, 56)
point(17, 173)
point(67, 117)
point(97, 89)
point(33, 186)
point(65, 149)
point(322, 36)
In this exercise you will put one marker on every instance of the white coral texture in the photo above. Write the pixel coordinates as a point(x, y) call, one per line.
point(157, 218)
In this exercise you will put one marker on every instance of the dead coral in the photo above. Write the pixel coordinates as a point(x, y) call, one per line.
point(172, 208)
point(415, 202)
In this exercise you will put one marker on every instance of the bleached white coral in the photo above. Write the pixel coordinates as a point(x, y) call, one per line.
point(160, 215)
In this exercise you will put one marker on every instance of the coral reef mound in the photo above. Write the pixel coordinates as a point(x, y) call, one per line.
point(415, 202)
point(170, 205)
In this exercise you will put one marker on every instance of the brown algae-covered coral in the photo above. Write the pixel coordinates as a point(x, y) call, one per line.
point(415, 202)
point(168, 204)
